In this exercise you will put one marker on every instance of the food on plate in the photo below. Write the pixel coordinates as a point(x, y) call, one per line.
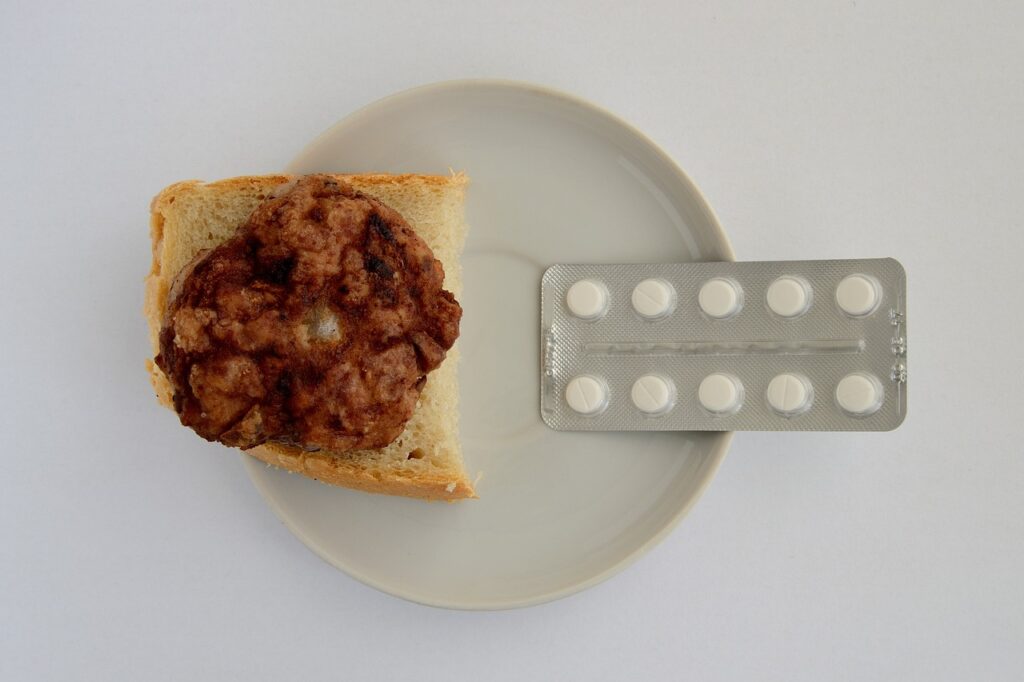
point(311, 321)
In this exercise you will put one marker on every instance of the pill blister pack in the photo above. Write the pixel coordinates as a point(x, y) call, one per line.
point(756, 346)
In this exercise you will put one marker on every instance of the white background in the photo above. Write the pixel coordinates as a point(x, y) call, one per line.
point(131, 550)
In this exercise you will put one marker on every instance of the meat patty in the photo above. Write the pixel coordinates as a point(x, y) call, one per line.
point(315, 325)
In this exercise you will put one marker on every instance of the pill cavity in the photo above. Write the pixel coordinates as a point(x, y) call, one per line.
point(587, 299)
point(720, 298)
point(653, 394)
point(859, 394)
point(654, 298)
point(858, 295)
point(720, 394)
point(789, 394)
point(587, 394)
point(789, 296)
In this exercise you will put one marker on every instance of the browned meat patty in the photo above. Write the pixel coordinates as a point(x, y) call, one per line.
point(315, 325)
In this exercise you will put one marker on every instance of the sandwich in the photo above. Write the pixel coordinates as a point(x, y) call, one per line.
point(311, 322)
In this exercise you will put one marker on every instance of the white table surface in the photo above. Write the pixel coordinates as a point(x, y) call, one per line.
point(131, 550)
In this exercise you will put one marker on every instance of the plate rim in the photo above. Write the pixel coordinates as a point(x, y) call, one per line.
point(719, 447)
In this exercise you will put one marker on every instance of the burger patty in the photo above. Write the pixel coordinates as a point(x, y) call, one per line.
point(315, 325)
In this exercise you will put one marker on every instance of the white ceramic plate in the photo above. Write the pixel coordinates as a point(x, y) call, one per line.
point(554, 179)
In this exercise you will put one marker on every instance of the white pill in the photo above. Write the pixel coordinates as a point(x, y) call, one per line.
point(720, 298)
point(859, 394)
point(789, 296)
point(720, 394)
point(587, 394)
point(587, 299)
point(653, 394)
point(790, 394)
point(858, 295)
point(654, 298)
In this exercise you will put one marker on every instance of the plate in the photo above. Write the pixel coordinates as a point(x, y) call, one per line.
point(554, 180)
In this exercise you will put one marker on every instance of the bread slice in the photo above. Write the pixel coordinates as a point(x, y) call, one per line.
point(426, 460)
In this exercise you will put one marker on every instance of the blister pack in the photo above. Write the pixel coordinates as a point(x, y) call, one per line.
point(757, 346)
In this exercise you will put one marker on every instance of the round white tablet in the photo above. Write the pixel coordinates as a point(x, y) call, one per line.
point(654, 298)
point(859, 394)
point(858, 295)
point(789, 394)
point(720, 298)
point(653, 394)
point(587, 394)
point(587, 299)
point(789, 296)
point(720, 394)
